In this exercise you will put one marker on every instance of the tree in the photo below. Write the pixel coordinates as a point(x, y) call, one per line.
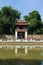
point(1, 23)
point(34, 19)
point(8, 17)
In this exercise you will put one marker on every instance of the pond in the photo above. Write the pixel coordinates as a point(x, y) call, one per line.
point(42, 63)
point(20, 62)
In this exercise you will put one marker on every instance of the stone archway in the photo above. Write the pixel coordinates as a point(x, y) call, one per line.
point(21, 35)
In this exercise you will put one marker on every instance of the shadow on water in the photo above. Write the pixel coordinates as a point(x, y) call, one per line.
point(20, 62)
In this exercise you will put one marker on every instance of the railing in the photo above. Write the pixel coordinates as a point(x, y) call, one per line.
point(21, 40)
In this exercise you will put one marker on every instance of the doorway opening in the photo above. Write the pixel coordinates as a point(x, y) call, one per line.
point(21, 35)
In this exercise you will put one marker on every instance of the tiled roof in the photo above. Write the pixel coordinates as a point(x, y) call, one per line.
point(21, 21)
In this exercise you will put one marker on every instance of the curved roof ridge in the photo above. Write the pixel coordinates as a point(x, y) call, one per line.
point(21, 21)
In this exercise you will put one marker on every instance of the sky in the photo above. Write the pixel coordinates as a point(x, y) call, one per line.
point(24, 6)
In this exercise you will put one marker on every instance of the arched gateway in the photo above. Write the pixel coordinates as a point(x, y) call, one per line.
point(21, 29)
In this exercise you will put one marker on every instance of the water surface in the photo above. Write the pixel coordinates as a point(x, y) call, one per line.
point(20, 62)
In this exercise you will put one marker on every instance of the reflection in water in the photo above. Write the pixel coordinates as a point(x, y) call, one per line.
point(42, 63)
point(20, 62)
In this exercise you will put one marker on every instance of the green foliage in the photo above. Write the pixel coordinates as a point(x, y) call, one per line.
point(35, 26)
point(34, 14)
point(8, 15)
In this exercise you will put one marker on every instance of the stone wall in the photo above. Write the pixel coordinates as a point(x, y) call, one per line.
point(29, 37)
point(35, 36)
point(7, 36)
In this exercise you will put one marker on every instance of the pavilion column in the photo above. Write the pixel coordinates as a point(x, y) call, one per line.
point(15, 34)
point(25, 34)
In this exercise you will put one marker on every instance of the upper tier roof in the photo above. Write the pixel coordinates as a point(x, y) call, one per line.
point(21, 21)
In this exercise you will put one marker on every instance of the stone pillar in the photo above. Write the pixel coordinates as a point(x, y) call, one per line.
point(25, 50)
point(15, 34)
point(25, 34)
point(16, 50)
